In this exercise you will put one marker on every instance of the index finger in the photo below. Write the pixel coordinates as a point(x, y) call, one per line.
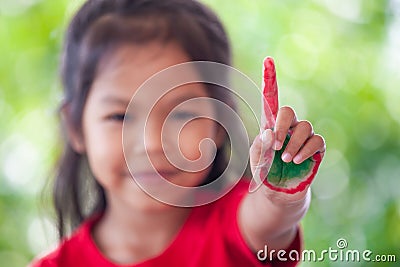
point(270, 94)
point(268, 115)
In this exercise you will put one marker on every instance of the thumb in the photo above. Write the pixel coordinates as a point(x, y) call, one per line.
point(261, 157)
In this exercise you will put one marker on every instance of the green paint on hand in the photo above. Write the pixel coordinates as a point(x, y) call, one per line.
point(281, 172)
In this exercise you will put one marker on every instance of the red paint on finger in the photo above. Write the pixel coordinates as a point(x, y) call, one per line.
point(270, 90)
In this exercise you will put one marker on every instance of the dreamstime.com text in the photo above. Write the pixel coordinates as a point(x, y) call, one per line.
point(339, 254)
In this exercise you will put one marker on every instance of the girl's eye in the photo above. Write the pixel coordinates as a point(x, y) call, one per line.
point(183, 115)
point(120, 117)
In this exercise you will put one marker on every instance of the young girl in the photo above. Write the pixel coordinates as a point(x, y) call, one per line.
point(104, 217)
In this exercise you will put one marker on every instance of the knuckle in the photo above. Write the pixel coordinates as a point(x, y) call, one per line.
point(319, 138)
point(306, 125)
point(288, 110)
point(321, 141)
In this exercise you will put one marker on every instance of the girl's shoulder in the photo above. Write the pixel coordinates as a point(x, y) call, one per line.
point(68, 250)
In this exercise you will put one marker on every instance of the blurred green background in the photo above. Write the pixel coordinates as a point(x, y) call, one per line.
point(338, 64)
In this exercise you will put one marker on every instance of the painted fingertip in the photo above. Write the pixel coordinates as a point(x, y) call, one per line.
point(268, 60)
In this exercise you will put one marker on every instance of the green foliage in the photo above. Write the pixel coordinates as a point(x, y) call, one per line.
point(337, 65)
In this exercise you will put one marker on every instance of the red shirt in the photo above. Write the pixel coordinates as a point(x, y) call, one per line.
point(210, 237)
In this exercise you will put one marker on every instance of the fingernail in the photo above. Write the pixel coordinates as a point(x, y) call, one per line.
point(297, 159)
point(286, 157)
point(278, 145)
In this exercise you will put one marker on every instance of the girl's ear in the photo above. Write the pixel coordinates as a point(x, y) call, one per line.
point(74, 136)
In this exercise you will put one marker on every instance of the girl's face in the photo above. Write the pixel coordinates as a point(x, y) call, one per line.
point(120, 76)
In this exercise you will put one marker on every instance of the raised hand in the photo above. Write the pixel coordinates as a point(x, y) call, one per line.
point(298, 151)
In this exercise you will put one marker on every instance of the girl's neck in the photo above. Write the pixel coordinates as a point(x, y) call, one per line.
point(127, 236)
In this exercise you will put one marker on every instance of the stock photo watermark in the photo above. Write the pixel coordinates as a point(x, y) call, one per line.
point(340, 253)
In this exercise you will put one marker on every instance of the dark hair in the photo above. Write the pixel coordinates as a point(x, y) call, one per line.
point(99, 27)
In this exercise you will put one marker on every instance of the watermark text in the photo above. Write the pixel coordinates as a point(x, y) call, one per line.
point(340, 253)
